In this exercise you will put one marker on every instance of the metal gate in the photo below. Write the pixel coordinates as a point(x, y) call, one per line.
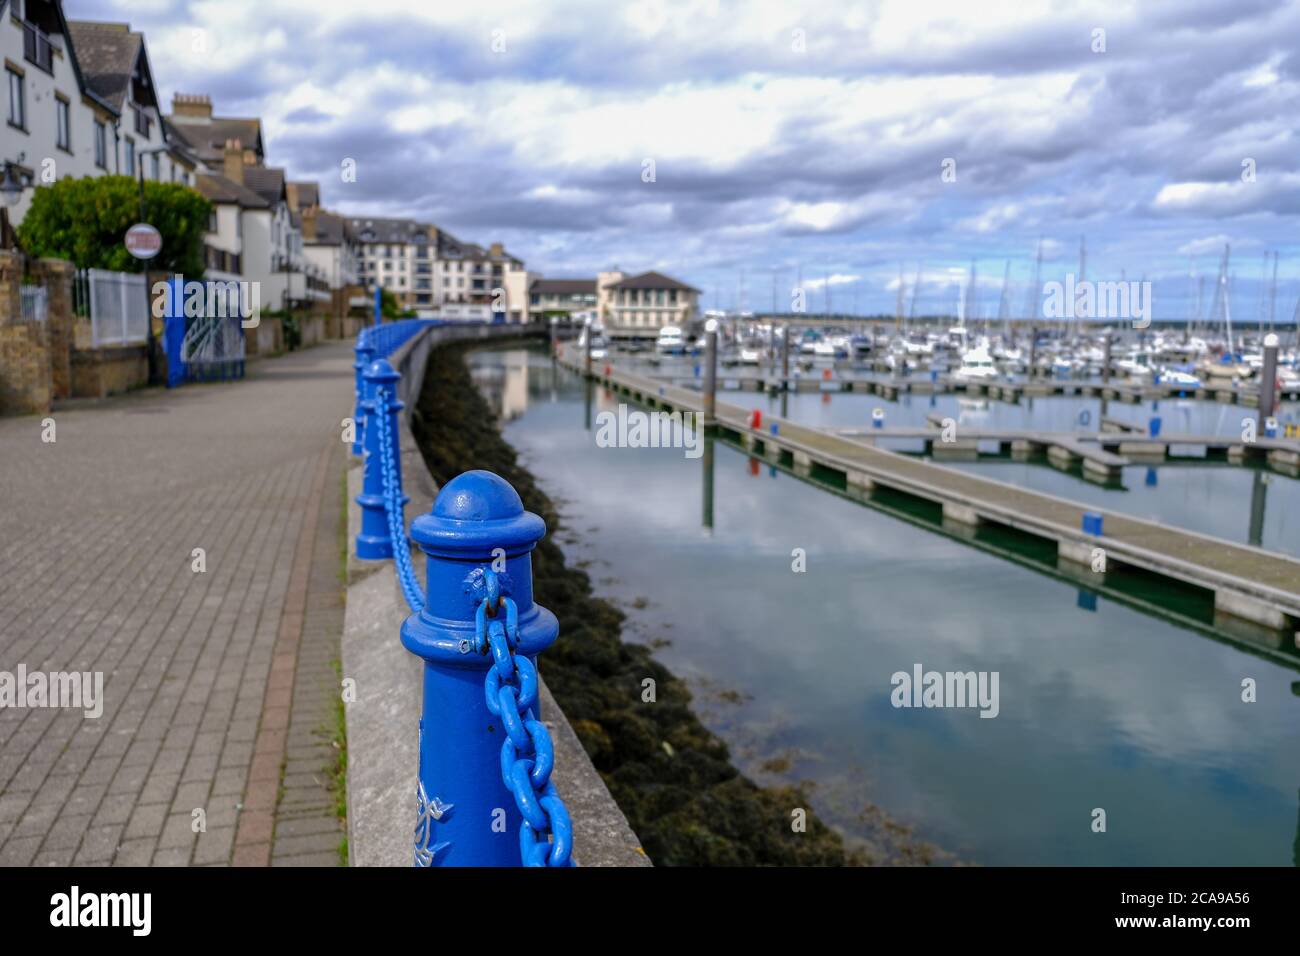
point(202, 348)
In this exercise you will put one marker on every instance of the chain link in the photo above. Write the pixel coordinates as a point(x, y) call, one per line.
point(393, 504)
point(510, 687)
point(527, 753)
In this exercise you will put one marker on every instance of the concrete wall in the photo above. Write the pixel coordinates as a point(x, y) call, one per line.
point(382, 742)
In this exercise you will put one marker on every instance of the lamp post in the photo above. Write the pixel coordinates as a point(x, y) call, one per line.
point(149, 339)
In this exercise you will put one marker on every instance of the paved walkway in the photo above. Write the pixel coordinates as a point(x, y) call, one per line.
point(218, 686)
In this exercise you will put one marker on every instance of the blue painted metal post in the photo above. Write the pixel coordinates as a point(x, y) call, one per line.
point(467, 816)
point(374, 541)
point(379, 303)
point(174, 330)
point(365, 353)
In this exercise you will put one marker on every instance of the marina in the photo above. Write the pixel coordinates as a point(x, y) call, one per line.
point(1252, 585)
point(1063, 638)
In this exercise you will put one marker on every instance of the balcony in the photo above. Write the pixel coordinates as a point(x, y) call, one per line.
point(37, 48)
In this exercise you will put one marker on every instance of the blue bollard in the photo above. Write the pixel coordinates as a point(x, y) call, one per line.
point(1092, 521)
point(365, 353)
point(775, 429)
point(373, 541)
point(1153, 427)
point(466, 816)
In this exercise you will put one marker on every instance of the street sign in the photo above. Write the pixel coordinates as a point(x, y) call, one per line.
point(143, 241)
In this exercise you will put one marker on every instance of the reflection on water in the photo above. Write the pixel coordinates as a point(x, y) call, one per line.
point(1240, 503)
point(1101, 705)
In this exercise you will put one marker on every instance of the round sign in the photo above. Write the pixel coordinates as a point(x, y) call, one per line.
point(143, 241)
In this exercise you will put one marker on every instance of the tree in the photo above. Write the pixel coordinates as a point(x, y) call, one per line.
point(85, 220)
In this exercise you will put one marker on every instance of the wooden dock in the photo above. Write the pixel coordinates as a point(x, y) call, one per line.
point(874, 381)
point(1246, 582)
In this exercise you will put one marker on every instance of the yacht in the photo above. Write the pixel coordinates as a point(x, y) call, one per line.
point(1179, 378)
point(976, 366)
point(670, 341)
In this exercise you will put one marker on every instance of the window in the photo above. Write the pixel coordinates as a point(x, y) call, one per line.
point(101, 145)
point(142, 122)
point(153, 163)
point(130, 156)
point(63, 124)
point(17, 101)
point(212, 221)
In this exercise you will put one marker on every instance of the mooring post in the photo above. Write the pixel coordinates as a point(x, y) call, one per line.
point(1033, 348)
point(1268, 381)
point(373, 540)
point(1105, 361)
point(478, 538)
point(365, 354)
point(588, 335)
point(785, 358)
point(710, 372)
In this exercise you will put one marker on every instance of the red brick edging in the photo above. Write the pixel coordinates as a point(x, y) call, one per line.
point(257, 818)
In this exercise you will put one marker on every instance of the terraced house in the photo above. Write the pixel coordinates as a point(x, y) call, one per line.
point(431, 272)
point(80, 101)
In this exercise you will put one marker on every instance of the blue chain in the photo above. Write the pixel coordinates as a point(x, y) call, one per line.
point(527, 753)
point(393, 506)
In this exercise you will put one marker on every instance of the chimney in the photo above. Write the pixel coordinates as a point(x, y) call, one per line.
point(309, 224)
point(234, 163)
point(192, 106)
point(497, 249)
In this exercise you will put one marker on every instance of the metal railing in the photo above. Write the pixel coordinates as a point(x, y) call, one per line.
point(476, 615)
point(35, 303)
point(117, 304)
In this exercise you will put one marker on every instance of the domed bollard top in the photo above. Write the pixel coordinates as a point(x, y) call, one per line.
point(478, 523)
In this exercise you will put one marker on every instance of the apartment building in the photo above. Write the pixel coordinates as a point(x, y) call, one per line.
point(639, 306)
point(80, 101)
point(561, 299)
point(331, 250)
point(398, 255)
point(192, 124)
point(223, 244)
point(628, 306)
point(478, 283)
point(115, 65)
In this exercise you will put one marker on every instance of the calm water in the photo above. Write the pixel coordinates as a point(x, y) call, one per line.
point(1249, 505)
point(1101, 706)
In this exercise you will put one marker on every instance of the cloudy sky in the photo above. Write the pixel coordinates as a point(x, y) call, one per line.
point(785, 138)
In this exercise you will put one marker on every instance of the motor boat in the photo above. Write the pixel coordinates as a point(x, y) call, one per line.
point(1179, 378)
point(671, 341)
point(749, 356)
point(1136, 364)
point(976, 366)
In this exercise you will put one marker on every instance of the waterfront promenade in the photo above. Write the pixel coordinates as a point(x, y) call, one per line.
point(218, 684)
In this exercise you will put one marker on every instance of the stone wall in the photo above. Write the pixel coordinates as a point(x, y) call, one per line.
point(98, 373)
point(26, 385)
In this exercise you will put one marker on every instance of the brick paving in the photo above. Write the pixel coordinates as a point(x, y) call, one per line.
point(218, 690)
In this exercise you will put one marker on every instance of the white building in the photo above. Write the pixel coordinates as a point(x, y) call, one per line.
point(79, 101)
